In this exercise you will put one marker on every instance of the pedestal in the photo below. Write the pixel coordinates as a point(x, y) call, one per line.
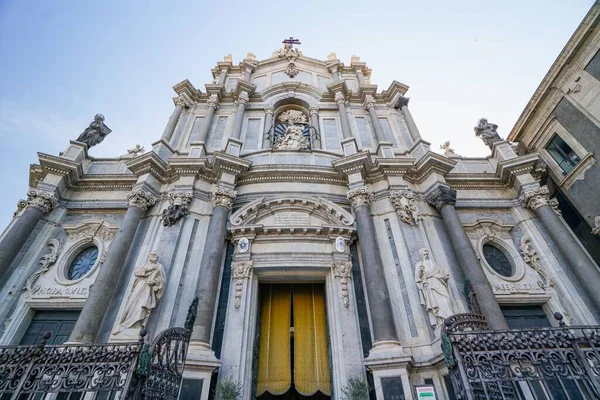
point(197, 150)
point(77, 151)
point(234, 147)
point(162, 149)
point(384, 149)
point(350, 147)
point(388, 363)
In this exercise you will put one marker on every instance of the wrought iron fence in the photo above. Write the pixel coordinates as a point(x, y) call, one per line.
point(135, 370)
point(546, 363)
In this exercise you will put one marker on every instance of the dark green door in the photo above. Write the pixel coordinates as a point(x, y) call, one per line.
point(59, 323)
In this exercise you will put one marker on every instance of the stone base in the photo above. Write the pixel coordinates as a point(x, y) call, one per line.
point(77, 151)
point(350, 147)
point(197, 149)
point(125, 336)
point(389, 364)
point(162, 149)
point(384, 149)
point(200, 355)
point(503, 151)
point(234, 147)
point(419, 149)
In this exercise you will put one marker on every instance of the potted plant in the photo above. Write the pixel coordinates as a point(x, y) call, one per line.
point(356, 389)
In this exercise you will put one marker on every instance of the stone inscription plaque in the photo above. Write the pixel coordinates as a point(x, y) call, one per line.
point(292, 218)
point(392, 388)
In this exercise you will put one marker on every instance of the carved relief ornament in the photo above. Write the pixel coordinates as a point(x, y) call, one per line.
point(139, 198)
point(535, 198)
point(343, 270)
point(360, 196)
point(404, 202)
point(44, 201)
point(240, 270)
point(179, 203)
point(531, 258)
point(223, 197)
point(596, 229)
point(213, 101)
point(441, 196)
point(46, 263)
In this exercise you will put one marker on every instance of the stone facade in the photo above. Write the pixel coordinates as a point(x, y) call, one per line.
point(354, 209)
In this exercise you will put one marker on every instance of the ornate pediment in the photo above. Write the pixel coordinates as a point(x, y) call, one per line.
point(291, 211)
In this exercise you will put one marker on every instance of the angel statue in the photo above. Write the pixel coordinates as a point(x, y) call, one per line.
point(146, 291)
point(95, 133)
point(432, 281)
point(446, 148)
point(487, 132)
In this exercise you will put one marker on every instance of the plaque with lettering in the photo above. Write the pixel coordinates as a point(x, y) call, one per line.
point(392, 388)
point(292, 218)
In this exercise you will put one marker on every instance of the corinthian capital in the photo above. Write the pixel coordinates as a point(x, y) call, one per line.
point(535, 198)
point(243, 98)
point(401, 102)
point(370, 102)
point(180, 101)
point(269, 110)
point(213, 101)
point(314, 111)
point(139, 198)
point(339, 98)
point(441, 196)
point(223, 197)
point(360, 196)
point(44, 201)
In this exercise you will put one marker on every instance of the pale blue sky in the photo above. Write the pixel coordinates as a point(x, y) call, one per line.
point(64, 61)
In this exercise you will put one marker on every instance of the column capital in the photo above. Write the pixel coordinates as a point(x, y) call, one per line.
point(401, 102)
point(441, 196)
point(343, 270)
point(44, 201)
point(182, 101)
point(370, 102)
point(360, 196)
point(139, 198)
point(535, 198)
point(243, 98)
point(269, 110)
point(314, 111)
point(213, 101)
point(339, 98)
point(223, 197)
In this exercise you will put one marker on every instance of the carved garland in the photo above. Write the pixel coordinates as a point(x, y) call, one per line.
point(404, 202)
point(531, 258)
point(240, 270)
point(343, 270)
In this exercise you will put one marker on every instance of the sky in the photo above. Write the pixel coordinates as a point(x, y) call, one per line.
point(64, 61)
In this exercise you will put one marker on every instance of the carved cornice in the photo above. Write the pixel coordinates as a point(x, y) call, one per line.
point(187, 92)
point(361, 196)
point(535, 198)
point(151, 163)
point(343, 270)
point(240, 271)
point(441, 196)
point(223, 162)
point(223, 197)
point(41, 200)
point(140, 198)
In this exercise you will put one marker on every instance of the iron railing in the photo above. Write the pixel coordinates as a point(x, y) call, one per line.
point(135, 370)
point(545, 363)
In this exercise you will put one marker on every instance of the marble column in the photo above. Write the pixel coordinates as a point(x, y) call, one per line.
point(584, 268)
point(268, 125)
point(370, 106)
point(37, 204)
point(341, 103)
point(210, 265)
point(382, 317)
point(211, 106)
point(170, 128)
point(402, 105)
point(444, 199)
point(314, 121)
point(89, 321)
point(239, 116)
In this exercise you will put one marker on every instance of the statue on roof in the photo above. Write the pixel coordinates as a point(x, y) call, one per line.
point(487, 132)
point(447, 149)
point(95, 133)
point(288, 50)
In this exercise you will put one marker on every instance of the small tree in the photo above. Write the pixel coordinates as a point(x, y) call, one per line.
point(356, 389)
point(228, 389)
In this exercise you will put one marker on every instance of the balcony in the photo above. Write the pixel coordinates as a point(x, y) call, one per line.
point(546, 363)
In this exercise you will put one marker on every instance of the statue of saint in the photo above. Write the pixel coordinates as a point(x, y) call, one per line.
point(95, 133)
point(487, 132)
point(432, 281)
point(147, 289)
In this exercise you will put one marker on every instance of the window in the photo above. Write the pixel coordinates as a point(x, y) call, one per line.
point(332, 141)
point(562, 153)
point(497, 260)
point(82, 263)
point(218, 132)
point(387, 130)
point(363, 132)
point(252, 133)
point(195, 134)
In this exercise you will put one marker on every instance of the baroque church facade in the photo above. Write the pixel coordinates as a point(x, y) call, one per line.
point(324, 239)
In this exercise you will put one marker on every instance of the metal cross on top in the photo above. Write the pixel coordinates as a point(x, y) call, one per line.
point(291, 41)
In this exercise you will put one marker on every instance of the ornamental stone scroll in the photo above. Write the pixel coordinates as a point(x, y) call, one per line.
point(360, 196)
point(404, 202)
point(41, 200)
point(535, 198)
point(531, 258)
point(47, 261)
point(139, 198)
point(441, 196)
point(223, 197)
point(240, 271)
point(343, 270)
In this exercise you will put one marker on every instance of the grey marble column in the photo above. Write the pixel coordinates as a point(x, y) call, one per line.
point(37, 204)
point(314, 121)
point(89, 321)
point(402, 105)
point(584, 268)
point(382, 317)
point(444, 198)
point(268, 125)
point(341, 103)
point(210, 265)
point(212, 105)
point(170, 128)
point(239, 116)
point(370, 106)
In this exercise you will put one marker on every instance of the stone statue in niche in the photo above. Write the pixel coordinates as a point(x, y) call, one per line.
point(293, 137)
point(96, 132)
point(487, 132)
point(147, 289)
point(432, 281)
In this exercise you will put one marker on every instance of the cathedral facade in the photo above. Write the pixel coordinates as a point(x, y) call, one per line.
point(324, 239)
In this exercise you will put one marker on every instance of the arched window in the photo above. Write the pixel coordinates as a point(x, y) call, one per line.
point(497, 260)
point(83, 262)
